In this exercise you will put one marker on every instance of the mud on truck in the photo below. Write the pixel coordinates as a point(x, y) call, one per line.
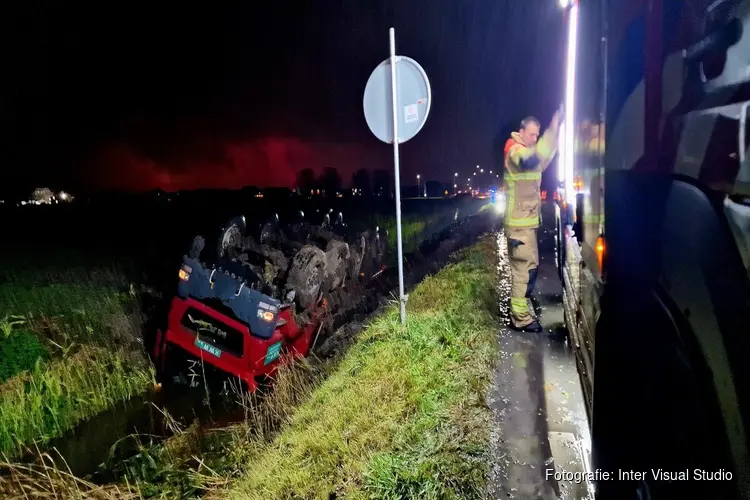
point(245, 303)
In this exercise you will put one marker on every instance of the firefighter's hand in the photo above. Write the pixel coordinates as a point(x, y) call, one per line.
point(555, 123)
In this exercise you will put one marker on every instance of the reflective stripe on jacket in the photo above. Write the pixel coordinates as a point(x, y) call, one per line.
point(523, 177)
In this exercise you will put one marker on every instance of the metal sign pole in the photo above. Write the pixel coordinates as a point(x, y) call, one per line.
point(411, 89)
point(401, 296)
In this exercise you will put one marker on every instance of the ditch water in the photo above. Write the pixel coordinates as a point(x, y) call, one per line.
point(93, 447)
point(87, 449)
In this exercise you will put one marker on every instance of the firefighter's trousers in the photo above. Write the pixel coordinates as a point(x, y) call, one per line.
point(523, 254)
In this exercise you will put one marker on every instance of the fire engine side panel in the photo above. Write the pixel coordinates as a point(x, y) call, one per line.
point(667, 231)
point(589, 162)
point(581, 273)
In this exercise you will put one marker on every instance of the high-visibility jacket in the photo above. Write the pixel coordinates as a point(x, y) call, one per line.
point(523, 177)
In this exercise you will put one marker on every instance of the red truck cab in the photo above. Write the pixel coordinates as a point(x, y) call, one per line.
point(218, 321)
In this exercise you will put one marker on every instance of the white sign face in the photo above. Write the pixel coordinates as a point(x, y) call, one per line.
point(378, 101)
point(410, 113)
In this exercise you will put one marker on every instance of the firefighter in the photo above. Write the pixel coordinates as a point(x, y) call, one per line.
point(526, 157)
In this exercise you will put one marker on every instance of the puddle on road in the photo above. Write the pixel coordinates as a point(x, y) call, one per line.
point(533, 402)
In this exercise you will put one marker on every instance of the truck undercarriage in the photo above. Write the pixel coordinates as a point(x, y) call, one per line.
point(245, 306)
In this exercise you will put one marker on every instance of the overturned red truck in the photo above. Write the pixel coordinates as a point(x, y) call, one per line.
point(242, 305)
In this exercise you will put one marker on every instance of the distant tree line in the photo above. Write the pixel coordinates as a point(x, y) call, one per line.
point(377, 182)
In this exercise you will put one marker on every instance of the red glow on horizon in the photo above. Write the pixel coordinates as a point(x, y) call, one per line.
point(270, 161)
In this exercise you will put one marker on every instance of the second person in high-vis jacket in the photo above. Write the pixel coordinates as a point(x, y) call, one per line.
point(526, 157)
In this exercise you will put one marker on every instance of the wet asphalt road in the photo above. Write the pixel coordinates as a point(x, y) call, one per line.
point(540, 423)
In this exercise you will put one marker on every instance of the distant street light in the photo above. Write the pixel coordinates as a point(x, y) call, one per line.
point(481, 171)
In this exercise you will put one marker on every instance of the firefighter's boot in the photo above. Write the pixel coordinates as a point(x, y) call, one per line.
point(523, 256)
point(533, 327)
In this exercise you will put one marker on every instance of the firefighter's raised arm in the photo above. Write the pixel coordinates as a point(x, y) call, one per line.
point(538, 156)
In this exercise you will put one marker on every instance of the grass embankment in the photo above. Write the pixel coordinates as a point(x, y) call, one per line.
point(416, 228)
point(403, 415)
point(413, 233)
point(69, 350)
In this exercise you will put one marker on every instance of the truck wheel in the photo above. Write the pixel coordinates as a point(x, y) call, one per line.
point(306, 275)
point(357, 250)
point(231, 236)
point(376, 245)
point(383, 244)
point(337, 261)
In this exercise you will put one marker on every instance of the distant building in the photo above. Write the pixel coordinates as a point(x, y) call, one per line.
point(42, 196)
point(63, 196)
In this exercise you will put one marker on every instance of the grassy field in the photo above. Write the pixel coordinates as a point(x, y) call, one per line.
point(69, 345)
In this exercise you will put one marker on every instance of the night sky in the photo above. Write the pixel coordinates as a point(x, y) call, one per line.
point(136, 95)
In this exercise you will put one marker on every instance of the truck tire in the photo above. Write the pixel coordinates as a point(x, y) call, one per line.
point(337, 262)
point(357, 250)
point(231, 237)
point(269, 233)
point(383, 241)
point(306, 275)
point(369, 264)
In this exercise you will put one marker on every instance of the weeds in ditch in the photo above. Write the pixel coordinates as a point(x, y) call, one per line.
point(19, 350)
point(47, 481)
point(65, 311)
point(198, 459)
point(50, 399)
point(70, 348)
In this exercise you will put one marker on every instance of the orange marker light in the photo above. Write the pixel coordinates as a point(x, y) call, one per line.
point(184, 275)
point(601, 249)
point(268, 316)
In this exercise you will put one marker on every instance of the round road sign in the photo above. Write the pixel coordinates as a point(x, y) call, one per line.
point(413, 98)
